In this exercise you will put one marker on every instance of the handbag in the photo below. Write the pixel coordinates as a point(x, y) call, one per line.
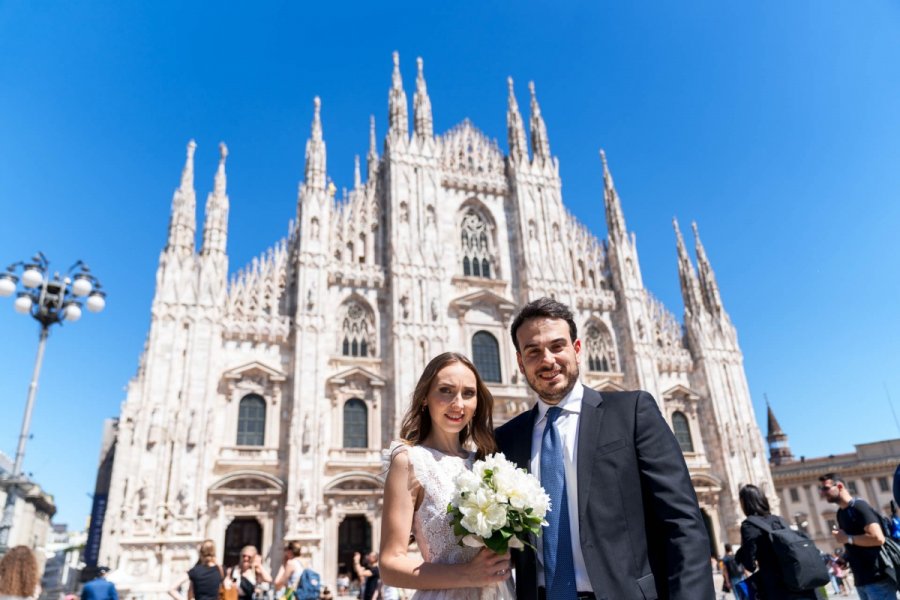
point(226, 593)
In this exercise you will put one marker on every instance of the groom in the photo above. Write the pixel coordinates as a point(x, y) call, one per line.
point(625, 523)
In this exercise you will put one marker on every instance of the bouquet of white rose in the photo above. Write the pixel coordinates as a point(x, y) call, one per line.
point(497, 505)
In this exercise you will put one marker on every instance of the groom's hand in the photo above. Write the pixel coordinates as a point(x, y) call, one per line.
point(488, 567)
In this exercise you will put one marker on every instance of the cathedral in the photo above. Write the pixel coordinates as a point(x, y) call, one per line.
point(263, 400)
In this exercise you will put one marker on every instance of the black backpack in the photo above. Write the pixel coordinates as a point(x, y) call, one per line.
point(798, 558)
point(889, 554)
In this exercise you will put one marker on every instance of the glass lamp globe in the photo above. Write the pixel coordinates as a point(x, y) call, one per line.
point(7, 285)
point(32, 277)
point(96, 302)
point(81, 286)
point(23, 304)
point(72, 312)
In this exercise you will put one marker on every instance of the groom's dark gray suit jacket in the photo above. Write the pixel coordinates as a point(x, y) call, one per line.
point(642, 535)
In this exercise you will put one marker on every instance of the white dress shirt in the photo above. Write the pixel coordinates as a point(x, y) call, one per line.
point(567, 425)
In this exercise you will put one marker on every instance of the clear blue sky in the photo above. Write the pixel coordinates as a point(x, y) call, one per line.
point(775, 125)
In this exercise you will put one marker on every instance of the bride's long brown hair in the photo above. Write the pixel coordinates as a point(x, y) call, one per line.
point(417, 421)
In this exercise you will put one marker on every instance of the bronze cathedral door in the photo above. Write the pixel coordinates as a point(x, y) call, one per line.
point(243, 531)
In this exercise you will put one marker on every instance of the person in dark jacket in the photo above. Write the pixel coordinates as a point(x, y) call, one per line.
point(756, 552)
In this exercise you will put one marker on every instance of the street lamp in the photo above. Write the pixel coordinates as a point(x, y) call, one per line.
point(801, 522)
point(49, 300)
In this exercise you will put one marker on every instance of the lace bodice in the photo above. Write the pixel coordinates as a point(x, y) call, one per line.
point(435, 472)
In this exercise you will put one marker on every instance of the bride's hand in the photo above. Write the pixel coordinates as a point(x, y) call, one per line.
point(488, 567)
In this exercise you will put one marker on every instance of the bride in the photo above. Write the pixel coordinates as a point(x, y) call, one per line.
point(450, 409)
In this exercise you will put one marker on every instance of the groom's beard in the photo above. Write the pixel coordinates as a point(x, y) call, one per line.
point(549, 393)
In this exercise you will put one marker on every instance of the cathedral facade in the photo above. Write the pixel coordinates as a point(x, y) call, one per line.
point(262, 402)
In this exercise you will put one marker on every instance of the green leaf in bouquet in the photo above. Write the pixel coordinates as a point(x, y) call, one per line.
point(459, 530)
point(497, 543)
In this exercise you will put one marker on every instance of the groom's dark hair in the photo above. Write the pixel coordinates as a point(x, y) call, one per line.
point(547, 308)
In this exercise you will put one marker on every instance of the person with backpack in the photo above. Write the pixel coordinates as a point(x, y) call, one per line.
point(309, 586)
point(766, 544)
point(734, 575)
point(860, 529)
point(288, 576)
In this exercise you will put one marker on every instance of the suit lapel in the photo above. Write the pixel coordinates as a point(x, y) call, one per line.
point(588, 437)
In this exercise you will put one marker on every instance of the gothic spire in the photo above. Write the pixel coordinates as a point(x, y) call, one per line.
point(187, 172)
point(615, 219)
point(515, 127)
point(397, 109)
point(779, 449)
point(315, 151)
point(357, 180)
point(215, 227)
point(690, 291)
point(773, 427)
point(183, 218)
point(424, 123)
point(540, 144)
point(372, 156)
point(707, 278)
point(221, 180)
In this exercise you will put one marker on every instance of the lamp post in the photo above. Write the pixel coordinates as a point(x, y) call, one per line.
point(49, 300)
point(801, 522)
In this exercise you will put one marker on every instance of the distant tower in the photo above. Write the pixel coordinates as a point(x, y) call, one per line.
point(779, 449)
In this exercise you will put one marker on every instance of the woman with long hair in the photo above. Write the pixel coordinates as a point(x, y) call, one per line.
point(447, 427)
point(206, 576)
point(756, 552)
point(19, 577)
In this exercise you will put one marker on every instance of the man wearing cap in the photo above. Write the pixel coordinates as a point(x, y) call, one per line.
point(99, 588)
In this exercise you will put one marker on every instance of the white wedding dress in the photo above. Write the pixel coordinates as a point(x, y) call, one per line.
point(435, 472)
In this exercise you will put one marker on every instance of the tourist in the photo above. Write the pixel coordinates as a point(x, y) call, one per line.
point(99, 588)
point(19, 576)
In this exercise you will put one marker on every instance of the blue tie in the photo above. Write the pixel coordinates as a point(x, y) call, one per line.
point(559, 566)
